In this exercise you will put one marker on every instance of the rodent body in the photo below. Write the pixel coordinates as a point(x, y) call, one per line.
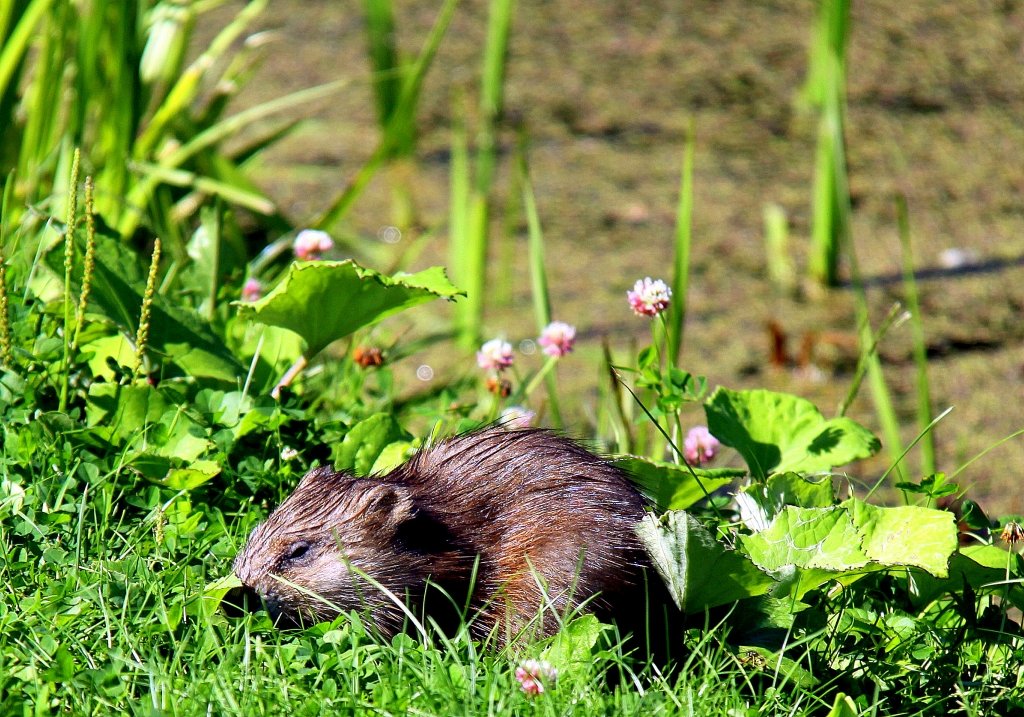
point(512, 523)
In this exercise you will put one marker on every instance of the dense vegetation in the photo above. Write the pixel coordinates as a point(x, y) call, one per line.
point(175, 355)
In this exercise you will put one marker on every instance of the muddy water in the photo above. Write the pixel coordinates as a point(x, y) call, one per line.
point(606, 91)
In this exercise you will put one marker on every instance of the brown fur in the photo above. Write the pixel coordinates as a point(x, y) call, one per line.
point(523, 508)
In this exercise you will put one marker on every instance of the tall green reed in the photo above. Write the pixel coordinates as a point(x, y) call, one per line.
point(683, 240)
point(111, 77)
point(538, 275)
point(396, 130)
point(469, 240)
point(392, 115)
point(18, 27)
point(780, 266)
point(870, 365)
point(825, 92)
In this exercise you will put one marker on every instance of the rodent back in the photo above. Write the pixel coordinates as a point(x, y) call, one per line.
point(531, 503)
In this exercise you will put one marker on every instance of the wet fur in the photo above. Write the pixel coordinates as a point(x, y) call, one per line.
point(523, 509)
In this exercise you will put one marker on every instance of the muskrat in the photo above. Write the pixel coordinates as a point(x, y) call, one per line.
point(514, 524)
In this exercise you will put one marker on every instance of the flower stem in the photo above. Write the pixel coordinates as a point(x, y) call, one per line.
point(147, 302)
point(6, 355)
point(69, 260)
point(90, 261)
point(538, 377)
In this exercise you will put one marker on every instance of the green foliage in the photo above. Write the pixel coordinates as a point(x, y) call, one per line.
point(700, 572)
point(176, 331)
point(125, 492)
point(670, 486)
point(115, 78)
point(683, 239)
point(374, 445)
point(399, 129)
point(323, 301)
point(826, 91)
point(472, 182)
point(776, 432)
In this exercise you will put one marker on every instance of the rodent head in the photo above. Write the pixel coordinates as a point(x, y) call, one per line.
point(310, 560)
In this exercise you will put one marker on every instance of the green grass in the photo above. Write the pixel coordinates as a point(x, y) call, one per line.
point(99, 570)
point(127, 489)
point(683, 240)
point(538, 278)
point(924, 398)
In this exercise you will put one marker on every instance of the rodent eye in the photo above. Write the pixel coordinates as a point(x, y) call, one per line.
point(298, 550)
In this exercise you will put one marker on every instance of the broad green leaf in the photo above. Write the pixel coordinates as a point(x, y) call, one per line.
point(197, 473)
point(670, 486)
point(323, 301)
point(120, 413)
point(574, 643)
point(794, 583)
point(144, 419)
point(698, 570)
point(906, 535)
point(977, 566)
point(152, 466)
point(807, 547)
point(265, 417)
point(760, 502)
point(366, 441)
point(116, 346)
point(823, 538)
point(794, 489)
point(778, 432)
point(392, 456)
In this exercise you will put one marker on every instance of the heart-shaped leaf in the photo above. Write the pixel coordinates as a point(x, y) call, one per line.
point(778, 432)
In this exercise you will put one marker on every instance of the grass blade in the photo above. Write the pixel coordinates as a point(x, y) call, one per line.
point(684, 235)
point(188, 85)
point(920, 349)
point(492, 79)
point(538, 277)
point(184, 178)
point(411, 88)
point(16, 44)
point(831, 200)
point(140, 194)
point(776, 243)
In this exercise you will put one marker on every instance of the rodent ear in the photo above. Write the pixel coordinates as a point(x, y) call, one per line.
point(384, 504)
